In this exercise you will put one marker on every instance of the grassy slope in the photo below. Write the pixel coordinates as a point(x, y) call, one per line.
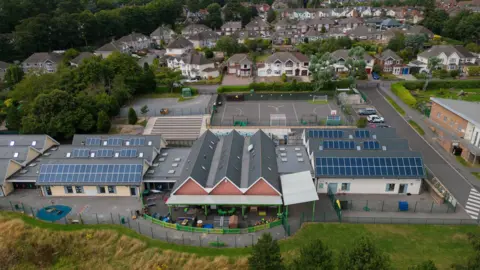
point(406, 244)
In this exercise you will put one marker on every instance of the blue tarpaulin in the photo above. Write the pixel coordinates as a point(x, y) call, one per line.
point(53, 212)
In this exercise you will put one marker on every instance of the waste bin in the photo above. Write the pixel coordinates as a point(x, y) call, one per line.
point(402, 206)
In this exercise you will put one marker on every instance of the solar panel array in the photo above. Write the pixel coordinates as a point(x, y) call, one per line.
point(372, 166)
point(114, 141)
point(325, 133)
point(90, 173)
point(103, 152)
point(128, 153)
point(371, 145)
point(137, 141)
point(338, 145)
point(362, 134)
point(80, 153)
point(93, 141)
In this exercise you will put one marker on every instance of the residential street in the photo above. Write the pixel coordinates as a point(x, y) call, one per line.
point(457, 180)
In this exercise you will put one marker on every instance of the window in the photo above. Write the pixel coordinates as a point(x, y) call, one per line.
point(289, 64)
point(438, 115)
point(459, 128)
point(68, 189)
point(451, 123)
point(78, 189)
point(112, 189)
point(289, 72)
point(345, 186)
point(101, 190)
point(277, 72)
point(390, 187)
point(445, 119)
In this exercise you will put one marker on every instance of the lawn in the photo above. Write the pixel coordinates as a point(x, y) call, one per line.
point(406, 244)
point(395, 105)
point(470, 94)
point(462, 161)
point(476, 174)
point(416, 127)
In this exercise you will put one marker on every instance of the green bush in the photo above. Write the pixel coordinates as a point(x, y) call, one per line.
point(217, 244)
point(132, 116)
point(416, 127)
point(233, 88)
point(437, 84)
point(362, 122)
point(454, 73)
point(399, 90)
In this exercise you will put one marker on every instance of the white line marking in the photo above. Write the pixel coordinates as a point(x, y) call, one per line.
point(277, 108)
point(466, 180)
point(474, 204)
point(224, 110)
point(295, 111)
point(474, 196)
point(328, 104)
point(472, 208)
point(240, 111)
point(471, 212)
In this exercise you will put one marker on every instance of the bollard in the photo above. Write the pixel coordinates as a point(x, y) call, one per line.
point(96, 216)
point(235, 241)
point(31, 209)
point(119, 219)
point(11, 204)
point(152, 232)
point(183, 239)
point(415, 209)
point(139, 230)
point(217, 241)
point(431, 209)
point(166, 236)
point(111, 216)
point(200, 240)
point(252, 239)
point(128, 221)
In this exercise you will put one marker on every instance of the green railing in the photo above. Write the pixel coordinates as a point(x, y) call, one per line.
point(212, 231)
point(335, 205)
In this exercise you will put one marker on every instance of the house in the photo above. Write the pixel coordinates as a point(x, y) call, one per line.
point(366, 13)
point(113, 46)
point(3, 69)
point(286, 25)
point(286, 37)
point(363, 161)
point(390, 23)
point(204, 39)
point(229, 28)
point(126, 44)
point(392, 63)
point(379, 13)
point(192, 29)
point(290, 63)
point(323, 23)
point(240, 64)
point(300, 14)
point(341, 56)
point(324, 13)
point(373, 22)
point(43, 62)
point(391, 13)
point(350, 23)
point(339, 12)
point(193, 65)
point(179, 46)
point(335, 32)
point(75, 62)
point(243, 35)
point(163, 34)
point(312, 35)
point(418, 30)
point(363, 33)
point(453, 57)
point(258, 25)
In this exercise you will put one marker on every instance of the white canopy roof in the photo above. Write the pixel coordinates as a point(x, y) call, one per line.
point(224, 200)
point(298, 188)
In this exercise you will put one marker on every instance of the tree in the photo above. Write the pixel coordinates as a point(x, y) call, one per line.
point(435, 21)
point(132, 116)
point(271, 16)
point(14, 118)
point(266, 254)
point(208, 53)
point(314, 256)
point(284, 77)
point(103, 122)
point(322, 70)
point(168, 77)
point(355, 64)
point(144, 110)
point(228, 45)
point(415, 42)
point(397, 43)
point(214, 17)
point(13, 75)
point(426, 265)
point(364, 255)
point(362, 122)
point(454, 73)
point(433, 64)
point(377, 69)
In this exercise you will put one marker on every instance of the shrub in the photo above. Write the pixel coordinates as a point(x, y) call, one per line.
point(474, 71)
point(399, 90)
point(454, 73)
point(362, 122)
point(284, 77)
point(132, 116)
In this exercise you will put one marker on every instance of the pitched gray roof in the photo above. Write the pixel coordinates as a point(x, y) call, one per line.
point(199, 159)
point(419, 29)
point(350, 20)
point(448, 50)
point(83, 55)
point(132, 37)
point(257, 22)
point(4, 65)
point(390, 22)
point(196, 59)
point(232, 24)
point(162, 31)
point(180, 43)
point(230, 164)
point(285, 56)
point(149, 140)
point(362, 31)
point(388, 54)
point(465, 109)
point(110, 47)
point(239, 57)
point(43, 56)
point(195, 27)
point(263, 160)
point(205, 35)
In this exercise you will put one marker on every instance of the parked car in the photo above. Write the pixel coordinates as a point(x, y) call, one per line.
point(367, 111)
point(375, 119)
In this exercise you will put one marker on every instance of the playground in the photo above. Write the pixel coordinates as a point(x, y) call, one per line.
point(275, 113)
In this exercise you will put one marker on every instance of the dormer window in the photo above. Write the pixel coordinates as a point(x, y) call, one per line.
point(34, 143)
point(12, 143)
point(15, 154)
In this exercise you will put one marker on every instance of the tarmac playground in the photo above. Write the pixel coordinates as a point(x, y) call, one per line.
point(274, 113)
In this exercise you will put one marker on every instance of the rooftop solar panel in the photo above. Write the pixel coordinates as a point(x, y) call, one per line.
point(325, 133)
point(80, 153)
point(371, 145)
point(90, 173)
point(137, 141)
point(372, 166)
point(338, 145)
point(114, 141)
point(128, 153)
point(362, 134)
point(104, 153)
point(93, 141)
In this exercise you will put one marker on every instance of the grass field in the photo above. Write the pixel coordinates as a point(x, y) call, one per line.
point(470, 94)
point(27, 243)
point(477, 175)
point(395, 105)
point(416, 127)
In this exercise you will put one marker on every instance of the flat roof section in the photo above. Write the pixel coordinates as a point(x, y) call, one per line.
point(168, 166)
point(292, 159)
point(298, 188)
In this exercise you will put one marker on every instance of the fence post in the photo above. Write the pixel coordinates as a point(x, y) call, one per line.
point(166, 236)
point(183, 239)
point(200, 240)
point(431, 209)
point(139, 230)
point(324, 216)
point(111, 216)
point(119, 219)
point(65, 217)
point(128, 221)
point(80, 216)
point(415, 209)
point(11, 204)
point(235, 241)
point(151, 229)
point(252, 238)
point(23, 208)
point(31, 209)
point(96, 215)
point(383, 203)
point(217, 240)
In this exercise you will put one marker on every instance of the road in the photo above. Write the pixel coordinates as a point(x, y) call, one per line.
point(458, 186)
point(206, 89)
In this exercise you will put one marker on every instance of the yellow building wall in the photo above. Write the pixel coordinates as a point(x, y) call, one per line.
point(122, 191)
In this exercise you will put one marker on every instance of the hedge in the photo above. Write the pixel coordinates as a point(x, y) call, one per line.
point(283, 87)
point(399, 90)
point(437, 84)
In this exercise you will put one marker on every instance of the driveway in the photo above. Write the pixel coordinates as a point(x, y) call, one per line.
point(450, 177)
point(234, 80)
point(197, 105)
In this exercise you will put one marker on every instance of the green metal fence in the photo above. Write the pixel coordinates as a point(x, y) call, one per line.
point(335, 205)
point(212, 231)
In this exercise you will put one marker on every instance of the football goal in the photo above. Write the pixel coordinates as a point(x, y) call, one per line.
point(278, 120)
point(320, 99)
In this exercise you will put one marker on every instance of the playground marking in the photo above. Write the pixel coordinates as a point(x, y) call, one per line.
point(295, 111)
point(276, 107)
point(83, 209)
point(224, 110)
point(240, 111)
